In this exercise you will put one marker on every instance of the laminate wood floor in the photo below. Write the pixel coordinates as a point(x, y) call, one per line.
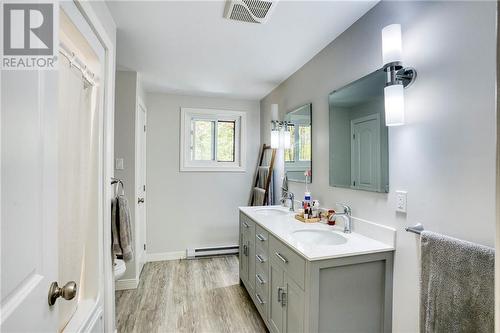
point(188, 296)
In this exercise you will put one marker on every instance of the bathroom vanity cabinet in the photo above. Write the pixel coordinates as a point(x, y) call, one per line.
point(295, 294)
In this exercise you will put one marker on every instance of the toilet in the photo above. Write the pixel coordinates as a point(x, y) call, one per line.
point(119, 268)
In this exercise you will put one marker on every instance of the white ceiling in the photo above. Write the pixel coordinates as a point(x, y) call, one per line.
point(188, 47)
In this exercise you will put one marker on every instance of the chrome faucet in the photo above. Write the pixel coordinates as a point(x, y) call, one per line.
point(287, 195)
point(346, 215)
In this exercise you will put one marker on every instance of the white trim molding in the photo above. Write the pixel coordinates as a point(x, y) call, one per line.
point(239, 117)
point(176, 255)
point(126, 284)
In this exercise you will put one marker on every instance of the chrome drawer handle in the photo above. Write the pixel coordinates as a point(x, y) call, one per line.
point(285, 260)
point(261, 280)
point(260, 259)
point(261, 238)
point(259, 299)
point(245, 224)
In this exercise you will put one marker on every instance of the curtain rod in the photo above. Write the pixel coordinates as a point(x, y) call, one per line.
point(76, 62)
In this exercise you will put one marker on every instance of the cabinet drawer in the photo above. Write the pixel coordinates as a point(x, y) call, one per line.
point(261, 237)
point(261, 277)
point(261, 299)
point(261, 258)
point(290, 261)
point(246, 223)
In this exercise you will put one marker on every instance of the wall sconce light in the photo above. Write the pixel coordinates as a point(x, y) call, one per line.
point(280, 134)
point(398, 77)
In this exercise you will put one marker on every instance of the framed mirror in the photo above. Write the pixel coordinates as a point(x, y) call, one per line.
point(359, 153)
point(298, 158)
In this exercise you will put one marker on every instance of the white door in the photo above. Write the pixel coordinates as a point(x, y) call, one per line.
point(365, 153)
point(29, 259)
point(29, 227)
point(141, 182)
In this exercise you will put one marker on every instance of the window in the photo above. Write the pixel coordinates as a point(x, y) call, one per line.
point(212, 140)
point(290, 153)
point(300, 144)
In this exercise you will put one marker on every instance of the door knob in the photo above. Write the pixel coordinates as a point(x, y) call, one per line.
point(140, 200)
point(68, 291)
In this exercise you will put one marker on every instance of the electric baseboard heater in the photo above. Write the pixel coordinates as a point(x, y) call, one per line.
point(204, 252)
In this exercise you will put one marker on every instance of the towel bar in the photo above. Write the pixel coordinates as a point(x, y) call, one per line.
point(416, 229)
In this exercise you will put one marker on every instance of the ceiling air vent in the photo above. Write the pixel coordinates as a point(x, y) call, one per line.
point(253, 11)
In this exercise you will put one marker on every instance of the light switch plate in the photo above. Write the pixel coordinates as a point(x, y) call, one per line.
point(119, 164)
point(401, 200)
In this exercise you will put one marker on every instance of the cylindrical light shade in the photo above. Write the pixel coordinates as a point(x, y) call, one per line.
point(275, 139)
point(391, 44)
point(274, 111)
point(394, 105)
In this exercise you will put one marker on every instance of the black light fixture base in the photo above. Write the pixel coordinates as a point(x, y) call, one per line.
point(407, 76)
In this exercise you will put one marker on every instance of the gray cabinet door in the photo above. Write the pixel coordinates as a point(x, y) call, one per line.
point(251, 256)
point(243, 254)
point(294, 307)
point(276, 282)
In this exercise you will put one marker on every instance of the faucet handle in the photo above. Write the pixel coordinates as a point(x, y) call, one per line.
point(346, 208)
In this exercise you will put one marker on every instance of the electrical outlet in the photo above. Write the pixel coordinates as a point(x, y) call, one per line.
point(401, 199)
point(119, 164)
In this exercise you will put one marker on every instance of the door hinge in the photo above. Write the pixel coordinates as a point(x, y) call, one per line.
point(144, 188)
point(354, 183)
point(354, 136)
point(144, 247)
point(144, 128)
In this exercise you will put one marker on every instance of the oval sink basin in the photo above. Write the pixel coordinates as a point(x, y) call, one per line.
point(319, 237)
point(271, 212)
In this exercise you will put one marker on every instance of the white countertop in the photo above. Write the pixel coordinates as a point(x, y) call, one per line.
point(283, 226)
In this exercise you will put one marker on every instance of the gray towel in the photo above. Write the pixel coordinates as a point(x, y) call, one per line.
point(457, 285)
point(121, 228)
point(263, 172)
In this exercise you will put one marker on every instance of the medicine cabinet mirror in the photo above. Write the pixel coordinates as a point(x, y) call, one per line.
point(298, 158)
point(359, 157)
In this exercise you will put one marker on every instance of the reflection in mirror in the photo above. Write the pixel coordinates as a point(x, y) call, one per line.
point(359, 157)
point(298, 157)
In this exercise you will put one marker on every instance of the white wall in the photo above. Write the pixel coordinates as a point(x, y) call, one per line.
point(444, 156)
point(192, 209)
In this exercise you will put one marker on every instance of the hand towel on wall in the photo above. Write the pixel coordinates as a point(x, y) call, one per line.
point(457, 285)
point(121, 228)
point(114, 228)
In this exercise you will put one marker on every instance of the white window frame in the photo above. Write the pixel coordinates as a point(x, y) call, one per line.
point(188, 165)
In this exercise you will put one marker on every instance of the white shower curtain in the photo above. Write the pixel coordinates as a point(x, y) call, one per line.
point(78, 183)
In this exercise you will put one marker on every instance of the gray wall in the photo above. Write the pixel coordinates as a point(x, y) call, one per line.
point(444, 156)
point(125, 108)
point(192, 209)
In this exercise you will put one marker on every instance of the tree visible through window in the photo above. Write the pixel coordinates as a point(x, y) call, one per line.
point(202, 133)
point(210, 141)
point(225, 141)
point(290, 153)
point(305, 143)
point(300, 144)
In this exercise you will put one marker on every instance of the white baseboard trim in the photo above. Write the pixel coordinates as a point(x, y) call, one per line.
point(150, 257)
point(126, 284)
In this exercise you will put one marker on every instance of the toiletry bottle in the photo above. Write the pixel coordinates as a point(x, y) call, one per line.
point(330, 213)
point(307, 198)
point(315, 208)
